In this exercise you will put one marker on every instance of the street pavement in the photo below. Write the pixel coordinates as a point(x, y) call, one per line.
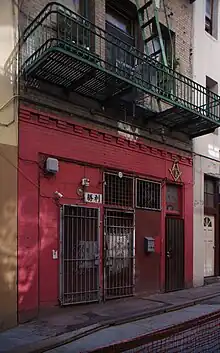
point(68, 324)
point(128, 331)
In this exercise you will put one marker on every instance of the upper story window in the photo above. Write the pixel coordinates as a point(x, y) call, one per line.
point(119, 26)
point(209, 193)
point(212, 104)
point(118, 21)
point(169, 45)
point(211, 17)
point(85, 8)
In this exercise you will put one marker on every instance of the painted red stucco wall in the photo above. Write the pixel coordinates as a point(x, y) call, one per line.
point(38, 229)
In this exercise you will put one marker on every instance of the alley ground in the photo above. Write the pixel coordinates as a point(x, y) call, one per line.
point(132, 316)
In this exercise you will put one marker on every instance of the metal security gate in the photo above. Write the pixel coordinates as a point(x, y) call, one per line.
point(79, 255)
point(174, 254)
point(118, 253)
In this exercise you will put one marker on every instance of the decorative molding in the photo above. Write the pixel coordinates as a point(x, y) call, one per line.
point(121, 141)
point(65, 124)
point(94, 133)
point(78, 129)
point(175, 171)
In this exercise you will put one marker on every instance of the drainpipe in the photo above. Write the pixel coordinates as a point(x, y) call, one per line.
point(4, 106)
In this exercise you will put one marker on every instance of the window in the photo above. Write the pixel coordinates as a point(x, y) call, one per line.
point(73, 5)
point(209, 192)
point(118, 47)
point(173, 200)
point(213, 104)
point(118, 190)
point(148, 195)
point(207, 222)
point(72, 28)
point(211, 17)
point(119, 21)
point(169, 44)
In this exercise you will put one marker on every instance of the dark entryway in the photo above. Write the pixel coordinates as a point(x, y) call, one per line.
point(174, 253)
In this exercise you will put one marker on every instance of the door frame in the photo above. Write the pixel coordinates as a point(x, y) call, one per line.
point(214, 245)
point(61, 235)
point(174, 214)
point(214, 211)
point(183, 254)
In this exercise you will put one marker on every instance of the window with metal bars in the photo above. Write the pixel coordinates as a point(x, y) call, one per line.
point(148, 194)
point(118, 190)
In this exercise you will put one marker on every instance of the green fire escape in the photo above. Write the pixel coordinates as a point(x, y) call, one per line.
point(63, 48)
point(149, 19)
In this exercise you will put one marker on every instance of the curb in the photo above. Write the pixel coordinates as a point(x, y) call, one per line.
point(66, 338)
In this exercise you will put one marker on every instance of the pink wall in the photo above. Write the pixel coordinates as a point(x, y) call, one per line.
point(42, 133)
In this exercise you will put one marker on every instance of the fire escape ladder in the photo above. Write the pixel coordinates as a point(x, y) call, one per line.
point(150, 27)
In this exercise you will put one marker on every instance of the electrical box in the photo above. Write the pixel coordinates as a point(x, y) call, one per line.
point(149, 245)
point(52, 165)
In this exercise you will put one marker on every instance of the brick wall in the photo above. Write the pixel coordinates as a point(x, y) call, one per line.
point(180, 15)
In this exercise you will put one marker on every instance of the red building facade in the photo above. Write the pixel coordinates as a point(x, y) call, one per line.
point(92, 251)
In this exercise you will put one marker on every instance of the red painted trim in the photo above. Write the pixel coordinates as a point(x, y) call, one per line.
point(67, 125)
point(162, 251)
point(43, 134)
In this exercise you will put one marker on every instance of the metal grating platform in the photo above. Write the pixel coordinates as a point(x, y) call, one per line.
point(80, 57)
point(68, 69)
point(189, 123)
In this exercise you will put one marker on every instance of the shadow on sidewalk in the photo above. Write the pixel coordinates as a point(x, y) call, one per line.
point(63, 320)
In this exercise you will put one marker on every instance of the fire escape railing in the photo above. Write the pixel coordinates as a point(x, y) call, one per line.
point(58, 28)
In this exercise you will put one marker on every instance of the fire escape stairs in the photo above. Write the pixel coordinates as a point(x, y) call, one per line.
point(150, 28)
point(148, 15)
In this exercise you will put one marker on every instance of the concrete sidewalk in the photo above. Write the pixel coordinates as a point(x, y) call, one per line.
point(125, 332)
point(71, 323)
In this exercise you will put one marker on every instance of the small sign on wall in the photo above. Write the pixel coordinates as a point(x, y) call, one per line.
point(92, 198)
point(54, 254)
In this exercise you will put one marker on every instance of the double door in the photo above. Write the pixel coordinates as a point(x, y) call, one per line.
point(93, 269)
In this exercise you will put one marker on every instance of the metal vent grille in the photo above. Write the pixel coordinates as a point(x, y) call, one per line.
point(119, 191)
point(148, 194)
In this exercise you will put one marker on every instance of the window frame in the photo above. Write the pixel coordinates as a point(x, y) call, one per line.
point(110, 11)
point(149, 181)
point(118, 202)
point(209, 19)
point(208, 179)
point(180, 198)
point(168, 40)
